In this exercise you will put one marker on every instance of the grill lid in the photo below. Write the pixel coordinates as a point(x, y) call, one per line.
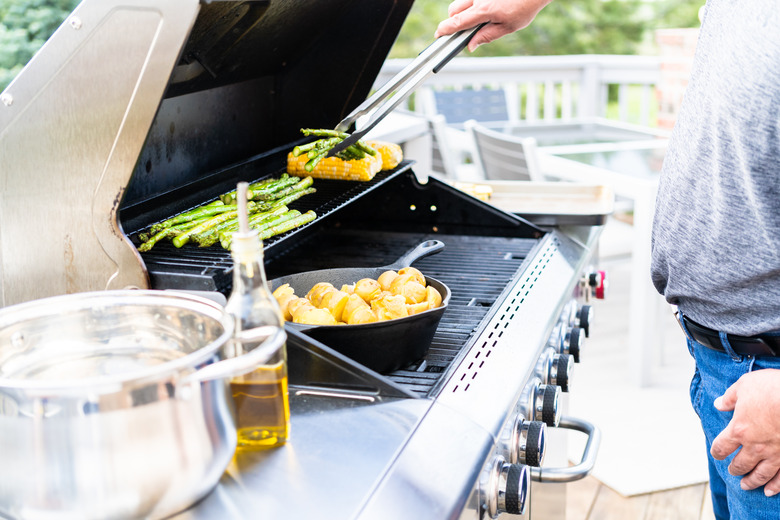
point(130, 99)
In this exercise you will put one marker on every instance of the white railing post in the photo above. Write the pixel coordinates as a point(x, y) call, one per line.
point(590, 91)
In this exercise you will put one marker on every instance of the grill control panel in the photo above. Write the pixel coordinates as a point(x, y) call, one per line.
point(505, 480)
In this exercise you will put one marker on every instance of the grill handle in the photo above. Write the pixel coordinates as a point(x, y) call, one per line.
point(581, 470)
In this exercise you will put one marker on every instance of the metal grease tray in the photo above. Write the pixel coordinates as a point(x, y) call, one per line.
point(547, 203)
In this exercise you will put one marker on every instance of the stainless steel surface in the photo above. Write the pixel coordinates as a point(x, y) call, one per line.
point(363, 456)
point(340, 446)
point(580, 470)
point(392, 93)
point(75, 120)
point(109, 407)
point(530, 310)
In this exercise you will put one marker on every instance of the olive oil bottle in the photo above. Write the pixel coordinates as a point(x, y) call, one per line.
point(260, 396)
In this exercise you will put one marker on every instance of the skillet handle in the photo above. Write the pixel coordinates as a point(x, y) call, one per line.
point(427, 248)
point(240, 365)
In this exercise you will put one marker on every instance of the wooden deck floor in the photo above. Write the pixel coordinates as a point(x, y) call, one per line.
point(588, 499)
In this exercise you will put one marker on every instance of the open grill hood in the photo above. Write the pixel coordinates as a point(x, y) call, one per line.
point(131, 99)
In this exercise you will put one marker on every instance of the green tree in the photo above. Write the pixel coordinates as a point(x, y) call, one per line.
point(25, 25)
point(563, 27)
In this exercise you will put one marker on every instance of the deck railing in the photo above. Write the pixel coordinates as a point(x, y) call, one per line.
point(545, 88)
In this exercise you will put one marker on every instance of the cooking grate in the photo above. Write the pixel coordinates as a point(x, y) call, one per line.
point(476, 269)
point(209, 268)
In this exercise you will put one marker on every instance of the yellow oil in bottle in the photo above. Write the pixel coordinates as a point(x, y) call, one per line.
point(262, 409)
point(260, 395)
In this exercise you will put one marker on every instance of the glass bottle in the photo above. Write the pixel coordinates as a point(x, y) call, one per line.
point(260, 396)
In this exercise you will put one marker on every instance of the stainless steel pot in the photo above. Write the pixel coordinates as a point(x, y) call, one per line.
point(115, 404)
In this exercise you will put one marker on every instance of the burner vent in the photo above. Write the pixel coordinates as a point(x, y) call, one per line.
point(496, 335)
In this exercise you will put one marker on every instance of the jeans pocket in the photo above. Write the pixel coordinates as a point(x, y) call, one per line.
point(695, 389)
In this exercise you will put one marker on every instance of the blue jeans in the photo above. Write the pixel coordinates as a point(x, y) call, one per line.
point(715, 372)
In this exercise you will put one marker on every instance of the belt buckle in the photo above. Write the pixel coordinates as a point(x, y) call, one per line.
point(769, 350)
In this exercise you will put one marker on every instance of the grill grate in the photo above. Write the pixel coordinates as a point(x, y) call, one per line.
point(476, 269)
point(209, 268)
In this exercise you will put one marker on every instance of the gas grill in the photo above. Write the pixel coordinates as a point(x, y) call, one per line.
point(135, 111)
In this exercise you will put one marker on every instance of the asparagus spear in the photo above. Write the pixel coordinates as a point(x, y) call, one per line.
point(211, 236)
point(227, 238)
point(284, 201)
point(182, 239)
point(301, 185)
point(267, 192)
point(149, 243)
point(171, 232)
point(230, 197)
point(288, 225)
point(194, 214)
point(318, 150)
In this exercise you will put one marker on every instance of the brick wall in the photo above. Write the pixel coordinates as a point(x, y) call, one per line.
point(675, 47)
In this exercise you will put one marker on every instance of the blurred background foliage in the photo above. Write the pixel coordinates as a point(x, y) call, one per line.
point(24, 27)
point(563, 27)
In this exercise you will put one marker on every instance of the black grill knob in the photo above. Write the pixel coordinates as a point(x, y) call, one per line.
point(514, 484)
point(560, 370)
point(572, 343)
point(529, 442)
point(585, 318)
point(546, 407)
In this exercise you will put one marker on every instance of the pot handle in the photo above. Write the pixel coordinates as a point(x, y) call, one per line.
point(427, 248)
point(240, 365)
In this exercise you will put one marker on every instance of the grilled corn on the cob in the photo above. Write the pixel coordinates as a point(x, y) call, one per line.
point(391, 153)
point(334, 168)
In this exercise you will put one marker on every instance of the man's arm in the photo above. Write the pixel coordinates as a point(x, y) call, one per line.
point(504, 17)
point(755, 426)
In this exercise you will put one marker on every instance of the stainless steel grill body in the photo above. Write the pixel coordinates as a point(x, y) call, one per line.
point(135, 111)
point(364, 448)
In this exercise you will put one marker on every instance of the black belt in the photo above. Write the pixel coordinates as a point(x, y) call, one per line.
point(759, 345)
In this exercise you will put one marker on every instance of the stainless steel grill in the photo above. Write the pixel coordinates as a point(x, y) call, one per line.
point(144, 110)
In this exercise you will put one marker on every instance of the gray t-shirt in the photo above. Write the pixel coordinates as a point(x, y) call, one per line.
point(716, 233)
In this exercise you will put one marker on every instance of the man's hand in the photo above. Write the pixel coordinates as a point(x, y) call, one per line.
point(755, 426)
point(504, 17)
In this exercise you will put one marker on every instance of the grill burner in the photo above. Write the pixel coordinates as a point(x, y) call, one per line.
point(476, 269)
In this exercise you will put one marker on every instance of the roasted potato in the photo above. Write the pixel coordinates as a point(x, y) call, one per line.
point(416, 274)
point(314, 316)
point(386, 278)
point(316, 293)
point(284, 302)
point(335, 301)
point(360, 315)
point(416, 308)
point(367, 288)
point(389, 307)
point(433, 297)
point(283, 290)
point(293, 306)
point(353, 302)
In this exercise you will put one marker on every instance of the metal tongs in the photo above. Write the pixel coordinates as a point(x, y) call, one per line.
point(430, 61)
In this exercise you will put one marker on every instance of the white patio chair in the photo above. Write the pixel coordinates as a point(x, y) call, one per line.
point(501, 156)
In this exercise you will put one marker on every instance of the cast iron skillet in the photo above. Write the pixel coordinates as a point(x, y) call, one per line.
point(382, 346)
